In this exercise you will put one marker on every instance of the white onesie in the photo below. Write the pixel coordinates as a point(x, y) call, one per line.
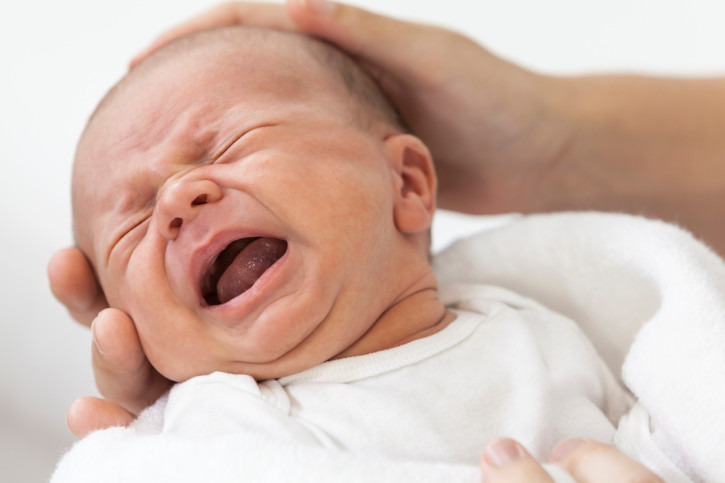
point(506, 367)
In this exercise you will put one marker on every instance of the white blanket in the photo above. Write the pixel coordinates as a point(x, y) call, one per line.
point(651, 298)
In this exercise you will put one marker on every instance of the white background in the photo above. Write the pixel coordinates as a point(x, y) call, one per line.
point(58, 59)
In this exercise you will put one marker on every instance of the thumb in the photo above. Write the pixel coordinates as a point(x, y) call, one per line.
point(123, 373)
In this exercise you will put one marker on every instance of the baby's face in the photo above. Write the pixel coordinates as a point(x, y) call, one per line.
point(239, 215)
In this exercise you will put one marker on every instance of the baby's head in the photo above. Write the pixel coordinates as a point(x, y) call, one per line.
point(251, 200)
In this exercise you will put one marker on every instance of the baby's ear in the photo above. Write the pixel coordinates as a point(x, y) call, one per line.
point(414, 183)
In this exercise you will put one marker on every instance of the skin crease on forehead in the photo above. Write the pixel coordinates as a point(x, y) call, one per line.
point(281, 150)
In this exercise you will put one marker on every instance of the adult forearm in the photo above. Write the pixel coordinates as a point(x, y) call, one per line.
point(643, 145)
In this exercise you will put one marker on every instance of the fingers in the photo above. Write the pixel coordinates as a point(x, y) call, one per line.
point(88, 414)
point(74, 284)
point(411, 62)
point(593, 462)
point(587, 461)
point(123, 374)
point(382, 40)
point(234, 13)
point(506, 461)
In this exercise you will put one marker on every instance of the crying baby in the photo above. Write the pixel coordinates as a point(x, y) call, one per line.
point(253, 202)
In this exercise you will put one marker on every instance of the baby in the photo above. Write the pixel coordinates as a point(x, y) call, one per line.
point(256, 206)
point(252, 201)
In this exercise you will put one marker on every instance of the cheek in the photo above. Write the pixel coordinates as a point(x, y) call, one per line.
point(360, 204)
point(173, 337)
point(146, 289)
point(349, 192)
point(145, 281)
point(142, 291)
point(170, 335)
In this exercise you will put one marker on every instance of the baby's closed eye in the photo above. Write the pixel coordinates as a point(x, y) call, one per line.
point(129, 237)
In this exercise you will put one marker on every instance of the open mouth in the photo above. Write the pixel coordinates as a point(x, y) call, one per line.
point(238, 267)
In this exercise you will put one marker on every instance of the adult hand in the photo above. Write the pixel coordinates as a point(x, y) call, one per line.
point(490, 125)
point(122, 372)
point(587, 461)
point(74, 284)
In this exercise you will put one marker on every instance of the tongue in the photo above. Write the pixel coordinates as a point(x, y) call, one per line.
point(248, 266)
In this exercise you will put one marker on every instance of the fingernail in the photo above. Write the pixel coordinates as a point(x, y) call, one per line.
point(93, 334)
point(503, 452)
point(318, 7)
point(565, 448)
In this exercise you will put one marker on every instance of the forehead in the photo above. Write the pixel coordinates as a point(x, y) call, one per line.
point(242, 67)
point(207, 77)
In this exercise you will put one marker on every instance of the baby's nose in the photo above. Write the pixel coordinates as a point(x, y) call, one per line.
point(180, 202)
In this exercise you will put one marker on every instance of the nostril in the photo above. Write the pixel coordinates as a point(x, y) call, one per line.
point(199, 200)
point(175, 223)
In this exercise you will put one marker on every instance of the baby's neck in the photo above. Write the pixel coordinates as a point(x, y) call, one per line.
point(415, 315)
